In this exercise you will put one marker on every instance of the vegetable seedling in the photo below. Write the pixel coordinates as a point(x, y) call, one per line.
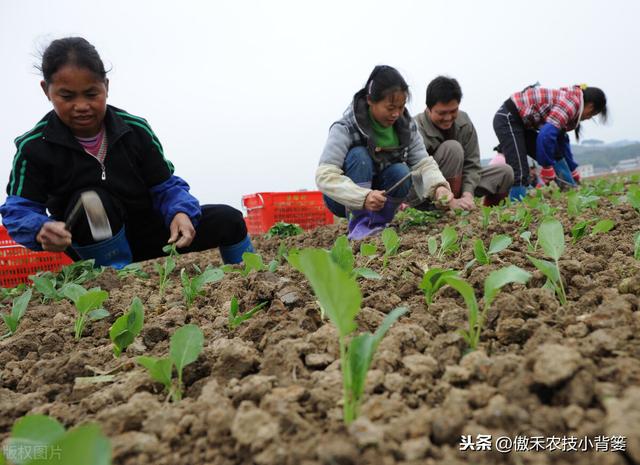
point(636, 246)
point(339, 295)
point(132, 269)
point(42, 440)
point(492, 286)
point(252, 262)
point(127, 327)
point(88, 304)
point(448, 242)
point(391, 243)
point(498, 244)
point(192, 287)
point(551, 239)
point(579, 230)
point(167, 267)
point(282, 229)
point(342, 255)
point(526, 236)
point(236, 318)
point(486, 216)
point(184, 348)
point(433, 280)
point(602, 226)
point(412, 217)
point(11, 292)
point(18, 309)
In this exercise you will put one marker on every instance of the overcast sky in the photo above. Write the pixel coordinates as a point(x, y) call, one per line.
point(242, 93)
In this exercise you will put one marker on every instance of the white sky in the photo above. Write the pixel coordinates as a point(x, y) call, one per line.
point(242, 93)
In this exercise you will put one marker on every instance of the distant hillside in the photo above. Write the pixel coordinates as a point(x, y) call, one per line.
point(606, 155)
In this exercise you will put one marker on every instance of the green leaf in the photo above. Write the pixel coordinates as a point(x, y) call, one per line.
point(363, 347)
point(551, 238)
point(499, 243)
point(282, 229)
point(449, 237)
point(127, 327)
point(433, 280)
point(73, 292)
point(186, 344)
point(547, 268)
point(636, 246)
point(91, 300)
point(368, 250)
point(579, 230)
point(469, 297)
point(252, 262)
point(234, 308)
point(342, 254)
point(366, 273)
point(338, 293)
point(602, 226)
point(573, 203)
point(208, 276)
point(46, 286)
point(432, 244)
point(497, 279)
point(98, 314)
point(29, 433)
point(239, 319)
point(159, 368)
point(273, 265)
point(84, 445)
point(479, 252)
point(391, 241)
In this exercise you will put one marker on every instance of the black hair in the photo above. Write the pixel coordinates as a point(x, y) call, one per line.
point(443, 89)
point(383, 81)
point(595, 96)
point(75, 51)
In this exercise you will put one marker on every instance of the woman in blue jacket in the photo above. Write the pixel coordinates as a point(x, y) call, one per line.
point(86, 145)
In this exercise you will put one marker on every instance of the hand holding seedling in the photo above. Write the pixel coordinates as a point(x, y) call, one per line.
point(443, 197)
point(375, 201)
point(463, 203)
point(182, 230)
point(54, 237)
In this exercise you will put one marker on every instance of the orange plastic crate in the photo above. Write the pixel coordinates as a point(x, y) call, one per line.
point(304, 208)
point(17, 263)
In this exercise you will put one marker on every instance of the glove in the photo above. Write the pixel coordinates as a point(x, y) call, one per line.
point(576, 176)
point(547, 174)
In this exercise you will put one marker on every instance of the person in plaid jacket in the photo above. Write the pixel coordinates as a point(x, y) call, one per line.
point(535, 122)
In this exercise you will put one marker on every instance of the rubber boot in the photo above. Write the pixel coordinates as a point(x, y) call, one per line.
point(233, 253)
point(492, 200)
point(455, 183)
point(114, 252)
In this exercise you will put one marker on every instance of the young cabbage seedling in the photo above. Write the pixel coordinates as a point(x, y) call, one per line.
point(18, 309)
point(127, 327)
point(579, 230)
point(486, 216)
point(167, 267)
point(252, 262)
point(636, 246)
point(633, 197)
point(433, 280)
point(602, 226)
point(492, 285)
point(282, 229)
point(42, 440)
point(551, 239)
point(185, 347)
point(526, 236)
point(340, 297)
point(448, 242)
point(192, 287)
point(391, 243)
point(411, 217)
point(88, 304)
point(132, 269)
point(236, 318)
point(342, 255)
point(483, 256)
point(11, 292)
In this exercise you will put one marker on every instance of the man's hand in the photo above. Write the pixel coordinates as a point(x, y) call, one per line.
point(374, 201)
point(54, 237)
point(182, 230)
point(465, 202)
point(443, 197)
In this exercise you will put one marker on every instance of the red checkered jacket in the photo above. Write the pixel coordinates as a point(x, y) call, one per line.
point(560, 107)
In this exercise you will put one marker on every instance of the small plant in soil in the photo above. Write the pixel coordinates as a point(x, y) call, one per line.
point(78, 273)
point(42, 440)
point(88, 304)
point(340, 297)
point(448, 242)
point(433, 280)
point(167, 267)
point(492, 285)
point(526, 236)
point(282, 229)
point(551, 239)
point(633, 197)
point(11, 292)
point(636, 246)
point(411, 217)
point(18, 309)
point(498, 243)
point(132, 269)
point(579, 230)
point(342, 255)
point(252, 262)
point(236, 318)
point(602, 226)
point(486, 216)
point(184, 348)
point(192, 287)
point(127, 327)
point(391, 242)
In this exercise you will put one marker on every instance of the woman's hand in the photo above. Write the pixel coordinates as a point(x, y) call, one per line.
point(443, 197)
point(182, 230)
point(465, 202)
point(54, 237)
point(374, 201)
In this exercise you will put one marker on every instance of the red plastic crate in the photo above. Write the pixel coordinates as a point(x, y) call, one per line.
point(17, 263)
point(305, 208)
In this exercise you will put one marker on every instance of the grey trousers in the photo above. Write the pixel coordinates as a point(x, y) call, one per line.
point(494, 179)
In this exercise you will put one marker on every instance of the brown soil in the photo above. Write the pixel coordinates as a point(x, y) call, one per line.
point(269, 392)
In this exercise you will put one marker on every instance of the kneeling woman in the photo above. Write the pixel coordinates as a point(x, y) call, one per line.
point(370, 150)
